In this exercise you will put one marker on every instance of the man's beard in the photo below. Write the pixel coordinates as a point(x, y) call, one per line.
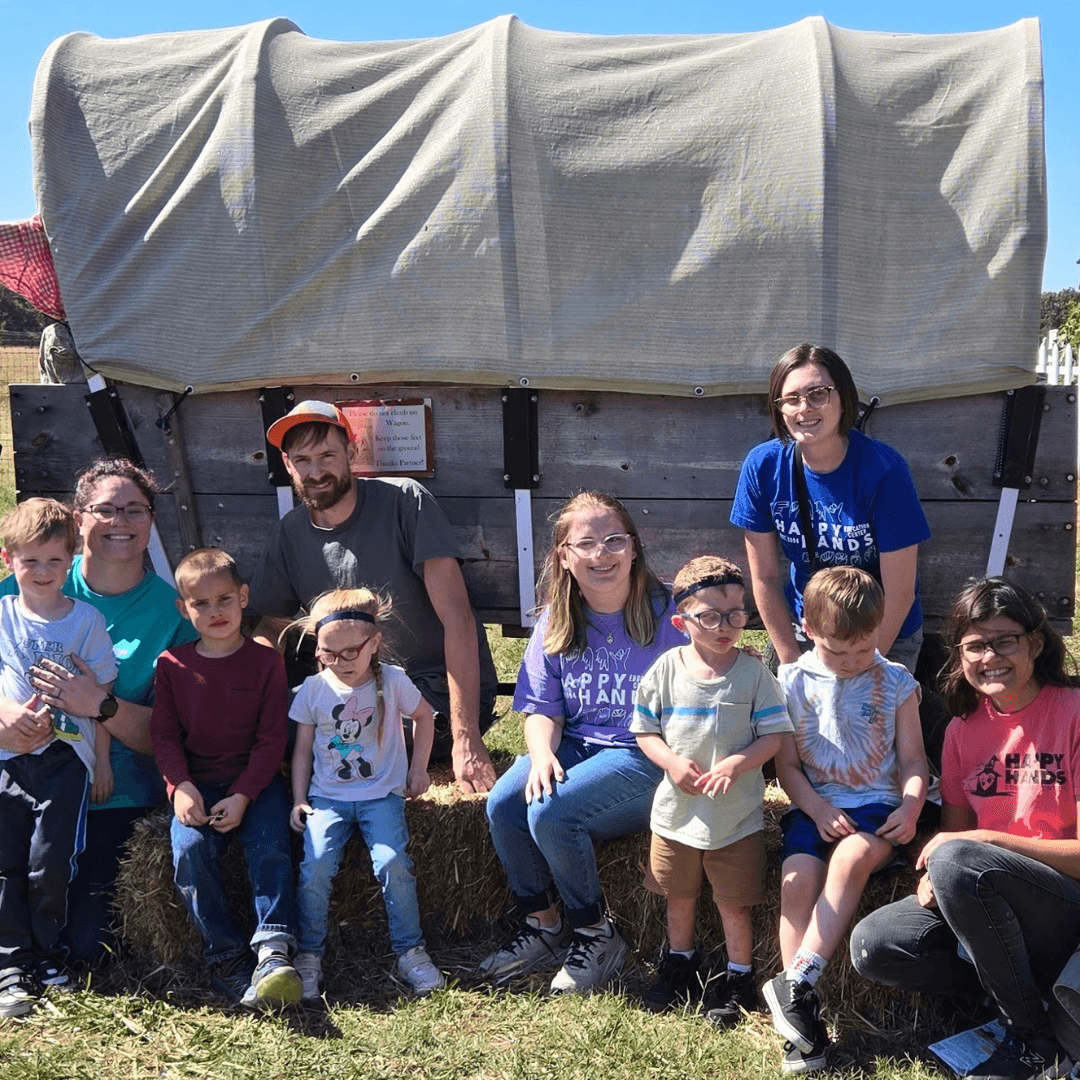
point(323, 500)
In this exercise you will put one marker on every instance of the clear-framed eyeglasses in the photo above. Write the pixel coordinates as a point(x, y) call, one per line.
point(817, 397)
point(616, 543)
point(711, 619)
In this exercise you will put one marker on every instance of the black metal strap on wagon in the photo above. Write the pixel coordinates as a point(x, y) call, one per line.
point(114, 430)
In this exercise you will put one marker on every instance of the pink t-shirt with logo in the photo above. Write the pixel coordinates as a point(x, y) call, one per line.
point(1017, 771)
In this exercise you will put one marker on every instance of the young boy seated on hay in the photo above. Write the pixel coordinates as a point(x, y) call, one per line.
point(710, 715)
point(218, 730)
point(43, 794)
point(856, 773)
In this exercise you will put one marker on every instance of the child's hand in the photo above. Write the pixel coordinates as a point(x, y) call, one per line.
point(228, 813)
point(684, 775)
point(102, 788)
point(899, 827)
point(718, 780)
point(188, 805)
point(543, 776)
point(298, 818)
point(417, 783)
point(833, 824)
point(924, 893)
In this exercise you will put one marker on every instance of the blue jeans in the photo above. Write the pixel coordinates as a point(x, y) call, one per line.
point(607, 792)
point(382, 825)
point(1018, 919)
point(264, 834)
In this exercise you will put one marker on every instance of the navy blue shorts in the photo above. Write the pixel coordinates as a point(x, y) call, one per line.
point(801, 836)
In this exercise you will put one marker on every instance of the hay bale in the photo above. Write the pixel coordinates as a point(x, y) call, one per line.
point(461, 888)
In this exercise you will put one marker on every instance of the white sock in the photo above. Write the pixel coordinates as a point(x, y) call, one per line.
point(533, 921)
point(806, 966)
point(740, 969)
point(599, 929)
point(687, 953)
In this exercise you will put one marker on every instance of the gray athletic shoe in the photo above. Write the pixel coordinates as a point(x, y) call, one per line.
point(18, 992)
point(591, 961)
point(530, 949)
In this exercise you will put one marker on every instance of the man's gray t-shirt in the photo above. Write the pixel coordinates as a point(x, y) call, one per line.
point(396, 527)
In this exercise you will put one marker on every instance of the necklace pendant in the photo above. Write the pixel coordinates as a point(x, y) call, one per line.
point(610, 638)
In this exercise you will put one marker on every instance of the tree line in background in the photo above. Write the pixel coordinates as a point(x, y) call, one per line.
point(1057, 311)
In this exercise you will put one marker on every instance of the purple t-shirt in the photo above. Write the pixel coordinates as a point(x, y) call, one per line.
point(592, 691)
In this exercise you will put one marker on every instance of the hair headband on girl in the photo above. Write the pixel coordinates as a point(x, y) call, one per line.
point(708, 583)
point(335, 616)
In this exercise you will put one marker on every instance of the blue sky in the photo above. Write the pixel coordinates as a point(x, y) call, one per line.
point(28, 27)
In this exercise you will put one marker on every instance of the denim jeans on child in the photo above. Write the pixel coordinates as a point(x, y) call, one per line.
point(43, 799)
point(382, 825)
point(264, 835)
point(1016, 917)
point(608, 792)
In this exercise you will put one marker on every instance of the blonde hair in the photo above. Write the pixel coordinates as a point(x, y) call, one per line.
point(843, 602)
point(37, 521)
point(560, 595)
point(701, 569)
point(203, 563)
point(362, 599)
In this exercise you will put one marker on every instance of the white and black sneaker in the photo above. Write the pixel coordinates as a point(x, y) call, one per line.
point(794, 1007)
point(18, 992)
point(594, 956)
point(800, 1061)
point(532, 948)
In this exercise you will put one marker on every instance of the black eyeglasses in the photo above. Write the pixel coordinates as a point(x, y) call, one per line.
point(1003, 645)
point(711, 619)
point(817, 397)
point(134, 512)
point(328, 656)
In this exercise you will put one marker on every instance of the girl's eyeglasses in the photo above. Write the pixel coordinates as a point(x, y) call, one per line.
point(711, 619)
point(817, 397)
point(345, 656)
point(616, 543)
point(1005, 645)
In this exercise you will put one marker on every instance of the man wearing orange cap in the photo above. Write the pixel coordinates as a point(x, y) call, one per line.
point(390, 535)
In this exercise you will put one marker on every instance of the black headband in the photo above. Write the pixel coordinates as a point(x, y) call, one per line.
point(357, 616)
point(708, 583)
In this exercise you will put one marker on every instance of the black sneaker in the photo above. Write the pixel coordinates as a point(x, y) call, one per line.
point(729, 995)
point(798, 1061)
point(1024, 1057)
point(50, 973)
point(678, 983)
point(794, 1007)
point(231, 978)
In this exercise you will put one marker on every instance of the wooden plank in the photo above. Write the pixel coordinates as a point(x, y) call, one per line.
point(675, 531)
point(178, 474)
point(630, 445)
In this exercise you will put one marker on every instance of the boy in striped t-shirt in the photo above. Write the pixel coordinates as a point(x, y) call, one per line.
point(710, 715)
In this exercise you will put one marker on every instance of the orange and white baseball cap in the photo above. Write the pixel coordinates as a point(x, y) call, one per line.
point(308, 412)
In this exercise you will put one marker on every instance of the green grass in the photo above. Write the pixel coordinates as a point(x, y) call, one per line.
point(458, 1033)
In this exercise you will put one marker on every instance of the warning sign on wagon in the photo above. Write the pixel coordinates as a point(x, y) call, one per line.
point(393, 436)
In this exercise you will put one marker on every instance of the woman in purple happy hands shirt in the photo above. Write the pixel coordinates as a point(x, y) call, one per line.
point(605, 618)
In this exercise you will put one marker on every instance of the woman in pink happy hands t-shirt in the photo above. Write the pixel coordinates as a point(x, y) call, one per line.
point(1002, 882)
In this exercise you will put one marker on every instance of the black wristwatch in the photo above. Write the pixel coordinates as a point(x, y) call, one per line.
point(108, 709)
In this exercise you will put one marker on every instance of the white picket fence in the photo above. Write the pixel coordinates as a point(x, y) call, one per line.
point(1056, 361)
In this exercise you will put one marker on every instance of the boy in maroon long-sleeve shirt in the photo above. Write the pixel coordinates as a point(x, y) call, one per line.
point(218, 728)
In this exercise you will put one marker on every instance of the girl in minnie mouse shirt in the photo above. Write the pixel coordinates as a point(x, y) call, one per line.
point(350, 770)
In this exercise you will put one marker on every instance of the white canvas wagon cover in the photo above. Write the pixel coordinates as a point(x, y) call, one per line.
point(249, 206)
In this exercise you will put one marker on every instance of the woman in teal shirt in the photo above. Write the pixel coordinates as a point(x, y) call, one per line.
point(114, 507)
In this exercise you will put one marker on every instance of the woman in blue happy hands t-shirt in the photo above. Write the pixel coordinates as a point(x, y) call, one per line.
point(860, 499)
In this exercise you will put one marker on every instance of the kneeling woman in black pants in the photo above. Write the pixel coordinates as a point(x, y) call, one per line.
point(999, 905)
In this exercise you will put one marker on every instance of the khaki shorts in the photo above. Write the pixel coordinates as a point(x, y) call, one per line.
point(736, 872)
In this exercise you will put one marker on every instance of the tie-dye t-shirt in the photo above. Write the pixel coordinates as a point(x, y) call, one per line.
point(845, 729)
point(1017, 771)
